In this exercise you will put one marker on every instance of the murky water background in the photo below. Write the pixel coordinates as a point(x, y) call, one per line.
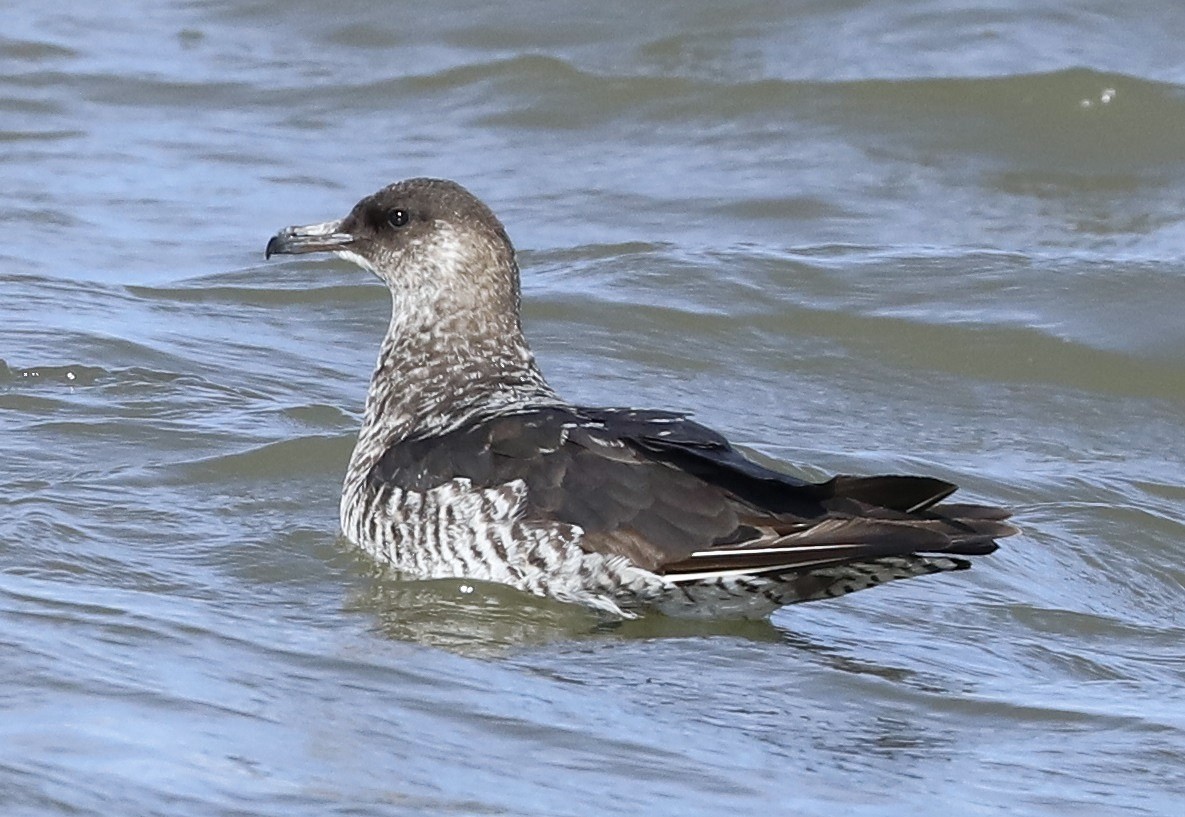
point(935, 237)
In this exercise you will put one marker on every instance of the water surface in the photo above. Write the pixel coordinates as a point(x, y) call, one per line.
point(930, 237)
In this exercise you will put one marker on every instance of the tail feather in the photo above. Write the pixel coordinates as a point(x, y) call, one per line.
point(874, 519)
point(897, 493)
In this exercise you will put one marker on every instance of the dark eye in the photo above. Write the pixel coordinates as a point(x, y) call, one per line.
point(397, 218)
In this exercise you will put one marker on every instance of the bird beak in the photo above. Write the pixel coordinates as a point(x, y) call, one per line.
point(324, 237)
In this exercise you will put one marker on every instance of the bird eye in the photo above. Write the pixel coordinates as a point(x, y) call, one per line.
point(397, 218)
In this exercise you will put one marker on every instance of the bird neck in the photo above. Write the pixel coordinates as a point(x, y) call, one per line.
point(441, 366)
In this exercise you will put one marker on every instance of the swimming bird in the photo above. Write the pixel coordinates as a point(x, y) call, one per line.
point(469, 465)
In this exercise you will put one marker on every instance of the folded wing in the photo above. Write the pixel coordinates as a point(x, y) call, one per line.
point(676, 498)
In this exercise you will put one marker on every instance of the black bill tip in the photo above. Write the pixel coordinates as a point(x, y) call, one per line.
point(325, 237)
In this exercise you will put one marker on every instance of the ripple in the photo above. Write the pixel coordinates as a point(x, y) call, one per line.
point(33, 51)
point(314, 454)
point(72, 374)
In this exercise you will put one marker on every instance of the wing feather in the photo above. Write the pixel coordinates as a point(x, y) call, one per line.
point(673, 496)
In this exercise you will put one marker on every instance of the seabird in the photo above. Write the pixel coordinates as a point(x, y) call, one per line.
point(469, 465)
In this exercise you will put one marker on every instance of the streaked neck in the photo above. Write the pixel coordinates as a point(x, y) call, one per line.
point(439, 368)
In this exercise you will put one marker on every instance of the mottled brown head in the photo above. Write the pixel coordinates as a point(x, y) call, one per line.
point(430, 240)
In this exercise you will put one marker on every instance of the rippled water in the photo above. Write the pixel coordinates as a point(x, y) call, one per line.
point(932, 236)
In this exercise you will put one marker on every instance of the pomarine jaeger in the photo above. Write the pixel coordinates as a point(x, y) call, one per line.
point(469, 465)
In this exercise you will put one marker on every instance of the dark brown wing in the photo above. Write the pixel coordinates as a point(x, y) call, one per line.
point(673, 496)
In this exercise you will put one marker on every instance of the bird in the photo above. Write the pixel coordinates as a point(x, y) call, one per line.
point(469, 465)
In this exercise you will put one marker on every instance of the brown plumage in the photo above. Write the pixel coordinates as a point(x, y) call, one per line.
point(469, 464)
point(674, 497)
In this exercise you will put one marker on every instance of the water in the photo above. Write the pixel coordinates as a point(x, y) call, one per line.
point(933, 237)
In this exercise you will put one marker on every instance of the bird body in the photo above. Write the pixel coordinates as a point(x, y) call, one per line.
point(469, 465)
